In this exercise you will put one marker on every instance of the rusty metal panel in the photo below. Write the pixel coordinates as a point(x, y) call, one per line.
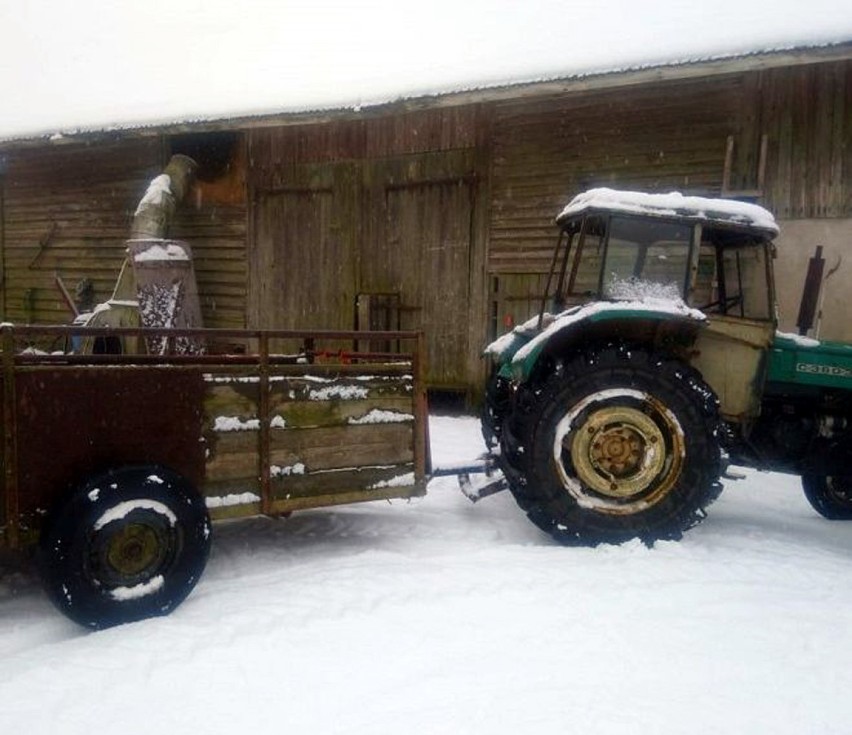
point(75, 421)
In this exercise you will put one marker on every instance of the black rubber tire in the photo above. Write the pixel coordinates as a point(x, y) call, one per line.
point(611, 379)
point(829, 495)
point(126, 545)
point(494, 409)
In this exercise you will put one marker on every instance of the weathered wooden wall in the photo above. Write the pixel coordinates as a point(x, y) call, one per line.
point(806, 112)
point(446, 213)
point(663, 136)
point(390, 205)
point(215, 224)
point(67, 211)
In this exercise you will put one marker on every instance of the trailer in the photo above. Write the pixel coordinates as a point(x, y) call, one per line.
point(114, 465)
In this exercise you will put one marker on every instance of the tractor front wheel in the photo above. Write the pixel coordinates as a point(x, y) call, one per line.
point(830, 495)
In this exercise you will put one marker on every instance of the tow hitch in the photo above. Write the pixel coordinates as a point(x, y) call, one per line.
point(474, 490)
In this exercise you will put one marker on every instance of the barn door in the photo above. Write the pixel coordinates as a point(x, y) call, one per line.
point(419, 246)
point(303, 268)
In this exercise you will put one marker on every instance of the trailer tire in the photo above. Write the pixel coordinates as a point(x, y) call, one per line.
point(126, 545)
point(829, 495)
point(621, 443)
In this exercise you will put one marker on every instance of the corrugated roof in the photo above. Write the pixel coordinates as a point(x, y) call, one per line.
point(95, 66)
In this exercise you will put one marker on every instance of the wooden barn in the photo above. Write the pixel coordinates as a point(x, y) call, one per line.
point(437, 213)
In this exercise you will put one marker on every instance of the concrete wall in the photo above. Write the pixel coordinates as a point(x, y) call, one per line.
point(796, 245)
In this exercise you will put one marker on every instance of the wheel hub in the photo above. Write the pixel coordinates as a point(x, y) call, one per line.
point(133, 550)
point(618, 451)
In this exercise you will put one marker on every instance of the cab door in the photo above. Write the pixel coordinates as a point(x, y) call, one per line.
point(733, 287)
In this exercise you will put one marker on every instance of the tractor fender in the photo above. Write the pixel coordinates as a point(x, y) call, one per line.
point(606, 320)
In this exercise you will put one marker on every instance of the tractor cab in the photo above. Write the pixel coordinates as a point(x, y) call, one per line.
point(714, 255)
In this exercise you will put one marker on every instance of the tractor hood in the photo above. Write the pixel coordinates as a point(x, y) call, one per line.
point(805, 361)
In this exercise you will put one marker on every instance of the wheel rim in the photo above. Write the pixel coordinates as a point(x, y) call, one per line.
point(618, 451)
point(133, 550)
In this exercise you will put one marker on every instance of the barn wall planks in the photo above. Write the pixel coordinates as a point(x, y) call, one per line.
point(807, 114)
point(215, 224)
point(67, 211)
point(445, 212)
point(386, 206)
point(662, 136)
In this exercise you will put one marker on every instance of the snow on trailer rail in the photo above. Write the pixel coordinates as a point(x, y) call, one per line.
point(256, 421)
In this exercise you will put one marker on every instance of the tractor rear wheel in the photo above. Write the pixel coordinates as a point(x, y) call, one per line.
point(620, 443)
point(830, 495)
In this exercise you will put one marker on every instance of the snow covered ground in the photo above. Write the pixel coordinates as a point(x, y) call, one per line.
point(437, 616)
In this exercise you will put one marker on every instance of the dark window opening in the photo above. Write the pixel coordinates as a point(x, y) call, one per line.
point(213, 152)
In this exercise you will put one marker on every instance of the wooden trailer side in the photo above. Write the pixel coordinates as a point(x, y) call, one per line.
point(333, 434)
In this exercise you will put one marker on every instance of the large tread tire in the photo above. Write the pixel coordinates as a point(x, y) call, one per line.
point(623, 397)
point(494, 409)
point(829, 495)
point(126, 545)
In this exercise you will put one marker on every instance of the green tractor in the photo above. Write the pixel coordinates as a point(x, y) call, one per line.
point(656, 361)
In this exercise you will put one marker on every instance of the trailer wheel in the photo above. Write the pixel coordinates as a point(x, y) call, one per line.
point(830, 495)
point(621, 444)
point(126, 545)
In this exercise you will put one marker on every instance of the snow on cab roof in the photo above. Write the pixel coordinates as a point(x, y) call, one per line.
point(673, 204)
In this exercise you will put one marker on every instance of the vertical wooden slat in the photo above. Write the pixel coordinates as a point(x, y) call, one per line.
point(10, 450)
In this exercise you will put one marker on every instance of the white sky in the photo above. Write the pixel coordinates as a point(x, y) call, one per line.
point(70, 64)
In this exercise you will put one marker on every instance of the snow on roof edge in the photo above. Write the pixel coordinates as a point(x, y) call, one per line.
point(248, 115)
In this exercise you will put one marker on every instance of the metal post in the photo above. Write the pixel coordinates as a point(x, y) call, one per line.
point(263, 415)
point(422, 459)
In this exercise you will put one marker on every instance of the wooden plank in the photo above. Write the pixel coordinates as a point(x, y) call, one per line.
point(338, 447)
point(239, 504)
point(343, 481)
point(302, 272)
point(235, 398)
point(311, 414)
point(346, 496)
